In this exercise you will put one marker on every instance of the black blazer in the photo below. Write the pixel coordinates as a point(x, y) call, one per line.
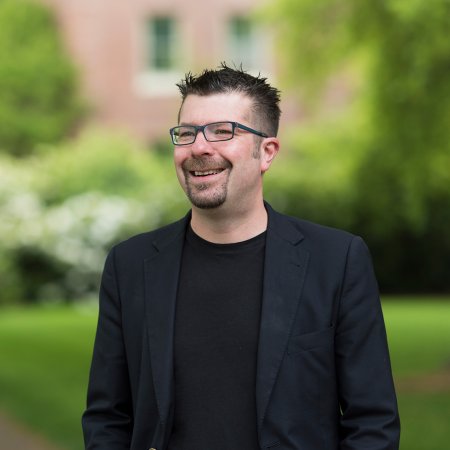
point(323, 374)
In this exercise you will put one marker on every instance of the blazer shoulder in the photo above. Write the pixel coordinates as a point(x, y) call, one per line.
point(144, 244)
point(328, 247)
point(327, 240)
point(315, 230)
point(309, 230)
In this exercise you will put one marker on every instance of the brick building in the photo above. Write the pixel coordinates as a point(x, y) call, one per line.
point(132, 52)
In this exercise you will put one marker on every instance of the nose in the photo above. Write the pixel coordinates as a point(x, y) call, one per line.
point(201, 146)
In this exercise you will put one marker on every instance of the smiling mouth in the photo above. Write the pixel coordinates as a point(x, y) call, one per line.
point(205, 173)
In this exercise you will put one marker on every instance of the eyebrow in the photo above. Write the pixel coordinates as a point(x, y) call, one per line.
point(190, 124)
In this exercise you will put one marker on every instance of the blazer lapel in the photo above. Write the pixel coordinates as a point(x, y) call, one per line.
point(284, 273)
point(161, 283)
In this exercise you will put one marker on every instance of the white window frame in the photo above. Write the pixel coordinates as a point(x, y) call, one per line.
point(153, 81)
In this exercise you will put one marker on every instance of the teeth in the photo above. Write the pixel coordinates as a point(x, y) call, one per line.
point(207, 172)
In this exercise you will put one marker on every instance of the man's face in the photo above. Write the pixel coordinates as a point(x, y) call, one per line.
point(215, 173)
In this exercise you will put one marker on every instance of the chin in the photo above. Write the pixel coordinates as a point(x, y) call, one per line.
point(207, 203)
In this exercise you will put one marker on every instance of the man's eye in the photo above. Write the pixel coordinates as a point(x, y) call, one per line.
point(223, 131)
point(185, 134)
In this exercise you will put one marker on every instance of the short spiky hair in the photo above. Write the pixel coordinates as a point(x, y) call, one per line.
point(225, 79)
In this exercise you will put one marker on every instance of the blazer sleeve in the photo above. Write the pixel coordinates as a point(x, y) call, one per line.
point(367, 397)
point(107, 420)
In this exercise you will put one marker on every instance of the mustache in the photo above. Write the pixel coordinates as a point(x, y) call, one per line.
point(205, 163)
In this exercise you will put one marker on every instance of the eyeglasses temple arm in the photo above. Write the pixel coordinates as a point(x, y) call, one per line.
point(251, 130)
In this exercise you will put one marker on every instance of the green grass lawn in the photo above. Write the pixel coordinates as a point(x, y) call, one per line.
point(45, 356)
point(419, 334)
point(419, 341)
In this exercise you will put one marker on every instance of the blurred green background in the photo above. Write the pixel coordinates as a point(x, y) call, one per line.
point(378, 167)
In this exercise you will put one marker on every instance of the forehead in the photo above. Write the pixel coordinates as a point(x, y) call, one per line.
point(201, 109)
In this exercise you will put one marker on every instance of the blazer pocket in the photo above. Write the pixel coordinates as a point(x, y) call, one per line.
point(310, 341)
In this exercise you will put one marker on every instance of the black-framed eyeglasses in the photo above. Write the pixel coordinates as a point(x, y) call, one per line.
point(213, 132)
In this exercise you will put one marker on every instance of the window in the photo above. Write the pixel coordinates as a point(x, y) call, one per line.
point(246, 45)
point(159, 68)
point(161, 43)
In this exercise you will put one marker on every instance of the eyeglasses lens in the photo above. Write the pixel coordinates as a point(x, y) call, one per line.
point(184, 135)
point(219, 131)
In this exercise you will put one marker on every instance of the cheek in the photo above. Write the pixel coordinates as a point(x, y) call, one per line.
point(177, 157)
point(252, 167)
point(178, 161)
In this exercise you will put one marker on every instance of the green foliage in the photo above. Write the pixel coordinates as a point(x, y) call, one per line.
point(315, 174)
point(38, 87)
point(63, 208)
point(101, 161)
point(396, 56)
point(312, 37)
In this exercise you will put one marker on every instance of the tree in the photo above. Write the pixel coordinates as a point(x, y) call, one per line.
point(38, 85)
point(401, 52)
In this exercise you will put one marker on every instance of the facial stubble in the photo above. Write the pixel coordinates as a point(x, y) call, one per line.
point(219, 195)
point(196, 191)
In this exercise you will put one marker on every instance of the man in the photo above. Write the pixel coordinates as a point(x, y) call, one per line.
point(238, 327)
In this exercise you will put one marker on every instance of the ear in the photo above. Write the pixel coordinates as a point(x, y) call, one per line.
point(269, 149)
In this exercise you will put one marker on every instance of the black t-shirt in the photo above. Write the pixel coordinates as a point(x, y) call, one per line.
point(216, 339)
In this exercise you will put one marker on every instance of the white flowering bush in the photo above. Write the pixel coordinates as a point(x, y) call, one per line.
point(57, 227)
point(73, 236)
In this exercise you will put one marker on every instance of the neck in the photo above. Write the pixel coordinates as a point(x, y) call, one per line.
point(222, 226)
